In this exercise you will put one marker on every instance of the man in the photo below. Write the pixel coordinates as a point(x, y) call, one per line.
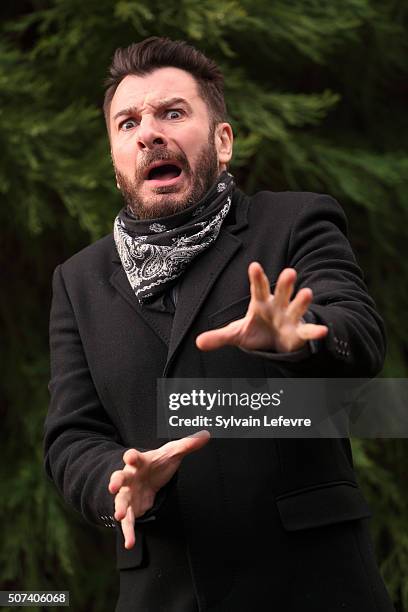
point(221, 525)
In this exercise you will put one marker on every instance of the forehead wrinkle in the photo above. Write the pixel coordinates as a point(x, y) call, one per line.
point(155, 105)
point(134, 91)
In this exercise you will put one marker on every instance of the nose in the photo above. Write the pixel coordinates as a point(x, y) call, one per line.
point(149, 134)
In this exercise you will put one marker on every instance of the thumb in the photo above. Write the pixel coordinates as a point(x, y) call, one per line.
point(189, 444)
point(217, 338)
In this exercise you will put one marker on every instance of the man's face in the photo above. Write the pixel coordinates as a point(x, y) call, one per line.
point(166, 151)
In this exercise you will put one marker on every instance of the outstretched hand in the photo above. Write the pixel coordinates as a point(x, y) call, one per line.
point(272, 322)
point(144, 474)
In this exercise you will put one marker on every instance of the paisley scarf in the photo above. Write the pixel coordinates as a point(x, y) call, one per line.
point(154, 253)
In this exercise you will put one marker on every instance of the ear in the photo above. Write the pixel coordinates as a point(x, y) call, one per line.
point(223, 143)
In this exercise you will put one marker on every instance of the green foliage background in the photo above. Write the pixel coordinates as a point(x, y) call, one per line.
point(317, 94)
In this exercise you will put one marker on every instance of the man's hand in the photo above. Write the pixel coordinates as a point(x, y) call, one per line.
point(272, 322)
point(144, 473)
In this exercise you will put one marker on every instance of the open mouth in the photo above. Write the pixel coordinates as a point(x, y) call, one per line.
point(163, 172)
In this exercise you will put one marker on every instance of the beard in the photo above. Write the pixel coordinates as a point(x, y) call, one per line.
point(201, 180)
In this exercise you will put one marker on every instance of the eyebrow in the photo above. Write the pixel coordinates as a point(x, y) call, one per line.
point(133, 110)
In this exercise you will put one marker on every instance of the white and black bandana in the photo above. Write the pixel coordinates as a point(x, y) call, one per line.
point(154, 253)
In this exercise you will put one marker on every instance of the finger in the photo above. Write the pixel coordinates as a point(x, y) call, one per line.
point(217, 338)
point(122, 478)
point(116, 481)
point(128, 529)
point(259, 284)
point(300, 304)
point(311, 331)
point(284, 288)
point(122, 502)
point(133, 457)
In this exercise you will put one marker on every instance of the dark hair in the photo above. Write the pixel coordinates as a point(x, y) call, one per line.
point(154, 52)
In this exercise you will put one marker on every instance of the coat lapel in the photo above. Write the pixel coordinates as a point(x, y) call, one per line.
point(196, 285)
point(159, 323)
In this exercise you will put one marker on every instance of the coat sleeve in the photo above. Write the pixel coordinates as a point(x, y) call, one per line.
point(82, 447)
point(320, 252)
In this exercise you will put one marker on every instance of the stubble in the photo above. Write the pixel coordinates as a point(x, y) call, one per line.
point(201, 180)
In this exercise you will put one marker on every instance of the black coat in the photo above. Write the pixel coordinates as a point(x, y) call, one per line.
point(250, 521)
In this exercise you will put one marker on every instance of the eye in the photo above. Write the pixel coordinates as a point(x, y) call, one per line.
point(174, 113)
point(127, 125)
